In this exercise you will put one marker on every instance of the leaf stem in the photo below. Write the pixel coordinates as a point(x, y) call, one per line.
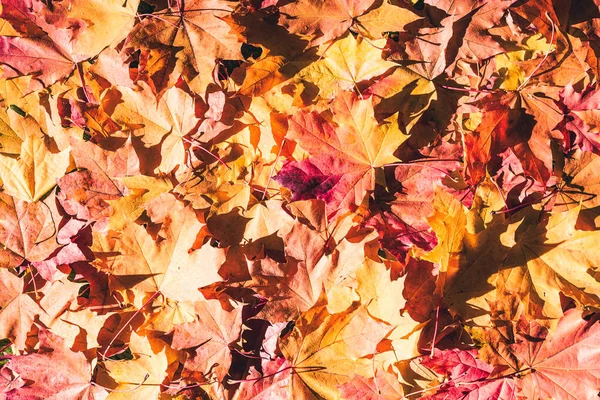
point(37, 295)
point(136, 387)
point(463, 89)
point(273, 169)
point(424, 160)
point(83, 85)
point(155, 295)
point(6, 347)
point(196, 143)
point(523, 205)
point(548, 51)
point(435, 387)
point(139, 16)
point(437, 317)
point(418, 163)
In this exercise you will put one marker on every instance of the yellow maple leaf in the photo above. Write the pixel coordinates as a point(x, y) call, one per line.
point(348, 61)
point(549, 259)
point(327, 350)
point(140, 378)
point(170, 266)
point(35, 172)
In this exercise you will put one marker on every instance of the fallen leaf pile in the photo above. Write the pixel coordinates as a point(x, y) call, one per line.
point(299, 199)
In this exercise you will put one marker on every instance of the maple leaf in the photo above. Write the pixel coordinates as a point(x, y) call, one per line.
point(383, 385)
point(141, 190)
point(137, 112)
point(262, 76)
point(376, 289)
point(544, 16)
point(296, 285)
point(169, 265)
point(273, 383)
point(556, 369)
point(471, 22)
point(579, 183)
point(325, 349)
point(10, 140)
point(106, 165)
point(54, 372)
point(450, 236)
point(211, 334)
point(535, 268)
point(405, 92)
point(468, 376)
point(27, 231)
point(503, 125)
point(35, 57)
point(140, 377)
point(85, 196)
point(579, 118)
point(226, 223)
point(343, 153)
point(58, 37)
point(428, 57)
point(402, 224)
point(551, 363)
point(418, 286)
point(346, 63)
point(181, 31)
point(387, 17)
point(106, 24)
point(18, 309)
point(468, 289)
point(322, 21)
point(35, 172)
point(69, 254)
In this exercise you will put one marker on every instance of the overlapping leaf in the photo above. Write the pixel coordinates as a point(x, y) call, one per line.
point(273, 199)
